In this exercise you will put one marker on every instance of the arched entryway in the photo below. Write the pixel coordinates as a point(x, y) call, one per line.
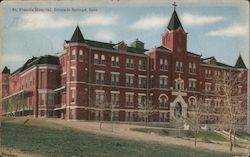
point(178, 108)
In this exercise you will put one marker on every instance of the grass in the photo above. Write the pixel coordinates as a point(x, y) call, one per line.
point(44, 138)
point(210, 135)
point(206, 136)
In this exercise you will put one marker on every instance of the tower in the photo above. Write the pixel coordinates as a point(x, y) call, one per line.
point(76, 49)
point(4, 86)
point(175, 37)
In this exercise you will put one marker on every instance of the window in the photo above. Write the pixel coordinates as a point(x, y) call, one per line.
point(50, 99)
point(207, 87)
point(239, 89)
point(42, 99)
point(179, 84)
point(72, 96)
point(115, 79)
point(217, 88)
point(73, 55)
point(115, 61)
point(96, 59)
point(80, 58)
point(129, 116)
point(99, 98)
point(163, 64)
point(115, 98)
point(115, 115)
point(191, 84)
point(192, 68)
point(163, 102)
point(99, 59)
point(102, 59)
point(129, 80)
point(163, 81)
point(163, 117)
point(217, 103)
point(129, 99)
point(142, 81)
point(208, 73)
point(141, 100)
point(99, 76)
point(179, 66)
point(142, 65)
point(72, 74)
point(72, 113)
point(129, 63)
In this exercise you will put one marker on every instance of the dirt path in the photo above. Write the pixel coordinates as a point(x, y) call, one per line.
point(123, 131)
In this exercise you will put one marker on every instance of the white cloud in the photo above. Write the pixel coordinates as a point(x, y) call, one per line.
point(100, 20)
point(44, 21)
point(190, 19)
point(105, 36)
point(231, 31)
point(150, 22)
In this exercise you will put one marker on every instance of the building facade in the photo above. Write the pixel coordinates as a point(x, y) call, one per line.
point(93, 80)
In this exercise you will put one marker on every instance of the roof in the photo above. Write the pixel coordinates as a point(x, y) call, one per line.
point(77, 36)
point(110, 46)
point(240, 63)
point(191, 53)
point(174, 22)
point(163, 48)
point(6, 70)
point(47, 59)
point(207, 61)
point(224, 65)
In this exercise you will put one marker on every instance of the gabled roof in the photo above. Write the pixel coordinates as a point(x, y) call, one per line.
point(174, 22)
point(163, 48)
point(77, 36)
point(47, 59)
point(240, 63)
point(6, 70)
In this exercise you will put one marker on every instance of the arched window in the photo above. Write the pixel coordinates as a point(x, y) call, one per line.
point(163, 101)
point(102, 59)
point(80, 58)
point(96, 59)
point(73, 55)
point(192, 102)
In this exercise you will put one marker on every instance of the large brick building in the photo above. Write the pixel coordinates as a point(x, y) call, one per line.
point(93, 80)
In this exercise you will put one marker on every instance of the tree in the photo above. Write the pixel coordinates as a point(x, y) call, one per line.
point(149, 110)
point(198, 116)
point(230, 90)
point(104, 105)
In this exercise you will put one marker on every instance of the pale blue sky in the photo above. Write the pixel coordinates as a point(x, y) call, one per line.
point(214, 28)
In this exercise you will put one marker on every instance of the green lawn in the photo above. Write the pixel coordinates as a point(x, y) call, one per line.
point(203, 135)
point(38, 136)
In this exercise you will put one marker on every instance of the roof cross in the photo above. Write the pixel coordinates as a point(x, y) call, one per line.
point(175, 5)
